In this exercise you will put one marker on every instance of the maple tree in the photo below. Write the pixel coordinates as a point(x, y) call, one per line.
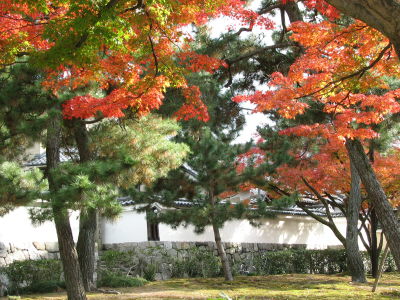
point(132, 50)
point(342, 63)
point(326, 176)
point(126, 52)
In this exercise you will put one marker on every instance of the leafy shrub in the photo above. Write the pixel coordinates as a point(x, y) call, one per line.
point(274, 262)
point(112, 279)
point(300, 261)
point(43, 287)
point(30, 275)
point(198, 263)
point(114, 259)
point(149, 272)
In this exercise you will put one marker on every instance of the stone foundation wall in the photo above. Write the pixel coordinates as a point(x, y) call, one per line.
point(14, 251)
point(161, 253)
point(180, 247)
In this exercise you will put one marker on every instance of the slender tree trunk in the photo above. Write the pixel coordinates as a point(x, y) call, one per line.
point(384, 210)
point(88, 222)
point(68, 254)
point(220, 247)
point(222, 254)
point(380, 268)
point(375, 251)
point(354, 258)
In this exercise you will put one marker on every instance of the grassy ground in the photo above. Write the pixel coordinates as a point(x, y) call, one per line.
point(278, 287)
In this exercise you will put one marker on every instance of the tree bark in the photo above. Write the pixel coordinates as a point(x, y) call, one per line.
point(88, 222)
point(87, 249)
point(383, 15)
point(222, 254)
point(68, 254)
point(220, 247)
point(375, 250)
point(384, 210)
point(354, 259)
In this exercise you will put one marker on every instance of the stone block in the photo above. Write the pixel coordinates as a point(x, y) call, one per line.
point(230, 251)
point(43, 254)
point(3, 253)
point(172, 252)
point(158, 276)
point(143, 245)
point(52, 247)
point(20, 245)
point(108, 246)
point(34, 255)
point(8, 260)
point(26, 254)
point(52, 255)
point(201, 244)
point(124, 247)
point(236, 257)
point(39, 245)
point(262, 246)
point(168, 245)
point(185, 245)
point(17, 255)
point(4, 246)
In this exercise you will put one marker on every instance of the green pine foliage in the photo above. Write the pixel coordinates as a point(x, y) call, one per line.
point(209, 170)
point(19, 186)
point(125, 152)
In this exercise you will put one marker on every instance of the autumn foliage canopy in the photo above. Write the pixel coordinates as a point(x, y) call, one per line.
point(132, 50)
point(344, 70)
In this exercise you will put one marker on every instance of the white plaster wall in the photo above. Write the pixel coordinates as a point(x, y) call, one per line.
point(282, 229)
point(130, 226)
point(16, 226)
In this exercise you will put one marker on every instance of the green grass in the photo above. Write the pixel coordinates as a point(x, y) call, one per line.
point(277, 287)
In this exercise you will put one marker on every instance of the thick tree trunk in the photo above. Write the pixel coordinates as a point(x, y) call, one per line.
point(354, 258)
point(384, 210)
point(87, 249)
point(68, 254)
point(382, 15)
point(88, 222)
point(222, 254)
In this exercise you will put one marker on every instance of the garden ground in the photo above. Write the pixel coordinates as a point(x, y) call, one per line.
point(277, 287)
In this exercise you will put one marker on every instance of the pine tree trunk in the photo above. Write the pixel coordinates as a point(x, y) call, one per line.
point(88, 222)
point(354, 258)
point(69, 258)
point(222, 254)
point(220, 247)
point(86, 247)
point(384, 210)
point(374, 255)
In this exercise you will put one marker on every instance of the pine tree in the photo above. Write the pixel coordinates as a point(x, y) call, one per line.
point(124, 152)
point(210, 170)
